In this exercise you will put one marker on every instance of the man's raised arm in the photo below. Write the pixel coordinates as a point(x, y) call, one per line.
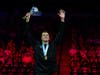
point(59, 36)
point(27, 32)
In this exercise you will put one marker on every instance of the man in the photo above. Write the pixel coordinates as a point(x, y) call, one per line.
point(45, 51)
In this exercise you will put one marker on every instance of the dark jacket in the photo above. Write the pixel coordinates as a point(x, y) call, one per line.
point(42, 65)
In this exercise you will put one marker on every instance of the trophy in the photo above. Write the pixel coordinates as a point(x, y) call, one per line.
point(33, 12)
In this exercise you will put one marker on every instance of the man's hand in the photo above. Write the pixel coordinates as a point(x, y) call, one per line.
point(62, 15)
point(27, 17)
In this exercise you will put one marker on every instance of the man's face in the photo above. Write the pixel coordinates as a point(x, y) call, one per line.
point(45, 36)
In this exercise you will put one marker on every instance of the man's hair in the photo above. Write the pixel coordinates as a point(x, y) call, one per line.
point(45, 32)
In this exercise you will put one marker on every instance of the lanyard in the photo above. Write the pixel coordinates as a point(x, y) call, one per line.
point(45, 49)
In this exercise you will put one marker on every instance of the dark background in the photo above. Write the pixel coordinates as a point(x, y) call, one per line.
point(81, 15)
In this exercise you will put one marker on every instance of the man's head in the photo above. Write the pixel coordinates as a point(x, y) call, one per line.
point(45, 36)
